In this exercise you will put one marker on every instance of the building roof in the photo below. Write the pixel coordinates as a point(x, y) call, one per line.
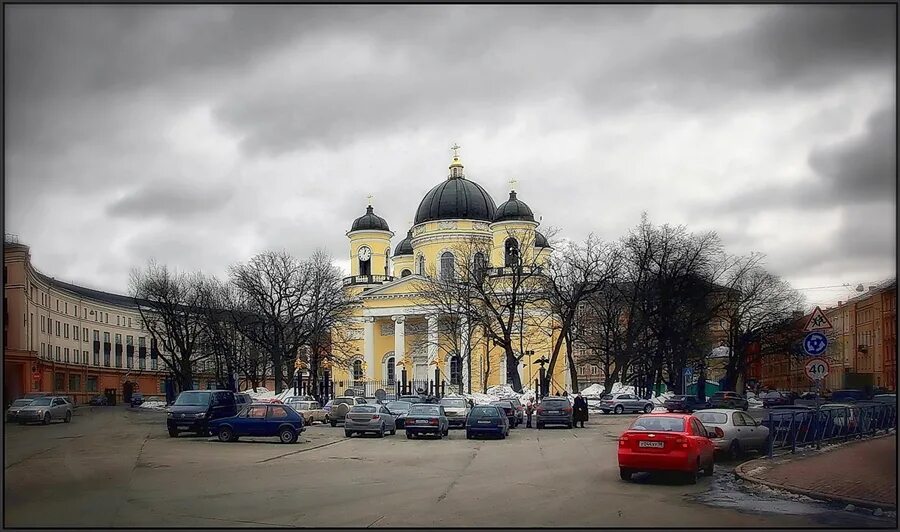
point(405, 245)
point(513, 209)
point(370, 221)
point(540, 241)
point(88, 293)
point(456, 198)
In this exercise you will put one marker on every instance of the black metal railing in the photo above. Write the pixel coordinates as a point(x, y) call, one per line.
point(798, 428)
point(367, 279)
point(519, 270)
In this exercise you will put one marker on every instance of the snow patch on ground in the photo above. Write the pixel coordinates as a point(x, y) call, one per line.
point(155, 405)
point(766, 490)
point(757, 469)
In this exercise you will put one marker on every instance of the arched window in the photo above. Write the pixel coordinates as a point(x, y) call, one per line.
point(480, 265)
point(455, 371)
point(387, 257)
point(357, 370)
point(512, 252)
point(405, 272)
point(447, 265)
point(421, 265)
point(389, 371)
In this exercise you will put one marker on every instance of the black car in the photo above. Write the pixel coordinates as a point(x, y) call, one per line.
point(99, 400)
point(193, 410)
point(684, 403)
point(774, 398)
point(509, 410)
point(728, 400)
point(137, 399)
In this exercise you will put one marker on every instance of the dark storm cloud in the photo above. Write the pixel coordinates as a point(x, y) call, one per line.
point(172, 201)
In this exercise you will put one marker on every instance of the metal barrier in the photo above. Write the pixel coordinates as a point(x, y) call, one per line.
point(797, 428)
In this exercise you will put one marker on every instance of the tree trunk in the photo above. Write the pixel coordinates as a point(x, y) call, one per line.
point(573, 370)
point(512, 369)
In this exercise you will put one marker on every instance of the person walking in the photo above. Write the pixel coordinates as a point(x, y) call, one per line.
point(580, 415)
point(529, 410)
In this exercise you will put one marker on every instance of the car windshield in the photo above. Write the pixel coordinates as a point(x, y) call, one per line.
point(713, 418)
point(485, 411)
point(193, 399)
point(399, 406)
point(364, 409)
point(502, 404)
point(606, 397)
point(424, 410)
point(43, 401)
point(455, 403)
point(659, 423)
point(554, 403)
point(21, 402)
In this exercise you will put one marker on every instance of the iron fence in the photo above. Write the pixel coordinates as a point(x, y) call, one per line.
point(795, 428)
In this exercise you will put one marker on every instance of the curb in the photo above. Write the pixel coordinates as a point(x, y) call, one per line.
point(741, 472)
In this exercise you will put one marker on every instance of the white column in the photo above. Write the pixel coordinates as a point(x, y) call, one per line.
point(369, 345)
point(432, 339)
point(399, 343)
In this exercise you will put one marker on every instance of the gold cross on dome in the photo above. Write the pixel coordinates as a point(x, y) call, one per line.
point(512, 183)
point(455, 149)
point(370, 198)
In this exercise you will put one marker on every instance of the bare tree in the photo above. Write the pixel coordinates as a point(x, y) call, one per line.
point(170, 305)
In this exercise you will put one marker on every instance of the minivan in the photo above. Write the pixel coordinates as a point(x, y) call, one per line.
point(193, 409)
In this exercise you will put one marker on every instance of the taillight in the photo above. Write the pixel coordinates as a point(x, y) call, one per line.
point(720, 433)
point(376, 416)
point(540, 410)
point(567, 410)
point(623, 441)
point(681, 440)
point(432, 422)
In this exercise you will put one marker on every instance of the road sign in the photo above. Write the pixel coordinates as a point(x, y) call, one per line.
point(816, 369)
point(815, 344)
point(380, 394)
point(688, 372)
point(817, 321)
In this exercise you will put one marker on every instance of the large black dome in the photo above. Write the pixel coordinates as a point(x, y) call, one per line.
point(456, 198)
point(370, 221)
point(405, 246)
point(513, 209)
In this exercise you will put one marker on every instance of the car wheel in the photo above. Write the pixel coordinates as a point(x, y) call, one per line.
point(735, 451)
point(333, 423)
point(68, 418)
point(393, 430)
point(408, 435)
point(381, 431)
point(691, 476)
point(625, 473)
point(619, 409)
point(468, 435)
point(648, 409)
point(225, 434)
point(502, 436)
point(348, 433)
point(46, 420)
point(287, 435)
point(569, 425)
point(606, 411)
point(710, 468)
point(173, 433)
point(540, 425)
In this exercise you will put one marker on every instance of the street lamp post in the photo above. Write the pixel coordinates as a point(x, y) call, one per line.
point(542, 376)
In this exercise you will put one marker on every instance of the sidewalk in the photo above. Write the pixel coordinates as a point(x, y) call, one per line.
point(860, 473)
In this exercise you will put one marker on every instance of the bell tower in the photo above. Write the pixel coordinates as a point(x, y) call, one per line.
point(370, 248)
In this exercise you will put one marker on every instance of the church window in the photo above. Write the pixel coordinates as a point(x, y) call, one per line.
point(357, 370)
point(479, 265)
point(391, 377)
point(387, 257)
point(421, 265)
point(405, 272)
point(455, 371)
point(447, 266)
point(512, 253)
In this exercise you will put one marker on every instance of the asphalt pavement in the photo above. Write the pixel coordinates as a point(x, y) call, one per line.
point(116, 467)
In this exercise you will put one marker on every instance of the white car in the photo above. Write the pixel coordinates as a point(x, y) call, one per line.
point(737, 431)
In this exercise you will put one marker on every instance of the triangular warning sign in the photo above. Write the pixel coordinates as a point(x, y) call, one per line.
point(817, 321)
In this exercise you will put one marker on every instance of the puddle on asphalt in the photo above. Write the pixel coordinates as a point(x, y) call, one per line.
point(727, 491)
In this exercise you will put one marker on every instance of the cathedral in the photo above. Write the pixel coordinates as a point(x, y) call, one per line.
point(399, 337)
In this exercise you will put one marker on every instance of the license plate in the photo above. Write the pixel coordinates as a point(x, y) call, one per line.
point(553, 411)
point(652, 444)
point(484, 422)
point(422, 421)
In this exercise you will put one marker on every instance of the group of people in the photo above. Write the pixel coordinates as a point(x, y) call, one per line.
point(579, 407)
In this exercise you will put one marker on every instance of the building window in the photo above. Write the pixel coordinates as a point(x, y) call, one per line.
point(455, 371)
point(480, 265)
point(357, 370)
point(75, 332)
point(447, 266)
point(129, 322)
point(141, 362)
point(76, 311)
point(85, 359)
point(59, 382)
point(58, 358)
point(66, 330)
point(391, 377)
point(405, 272)
point(96, 335)
point(153, 363)
point(512, 252)
point(420, 266)
point(91, 384)
point(74, 383)
point(84, 334)
point(57, 327)
point(43, 324)
point(66, 353)
point(387, 257)
point(105, 337)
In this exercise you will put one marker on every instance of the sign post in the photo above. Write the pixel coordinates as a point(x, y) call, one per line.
point(686, 376)
point(814, 344)
point(817, 369)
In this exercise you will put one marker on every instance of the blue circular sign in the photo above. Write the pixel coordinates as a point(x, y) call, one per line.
point(815, 343)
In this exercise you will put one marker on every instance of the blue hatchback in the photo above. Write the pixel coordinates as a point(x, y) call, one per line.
point(260, 419)
point(487, 420)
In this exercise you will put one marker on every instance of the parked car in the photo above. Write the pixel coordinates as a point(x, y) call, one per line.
point(369, 418)
point(242, 399)
point(310, 410)
point(12, 413)
point(667, 442)
point(774, 398)
point(426, 419)
point(888, 398)
point(729, 400)
point(624, 402)
point(412, 398)
point(520, 409)
point(99, 400)
point(737, 431)
point(46, 409)
point(137, 399)
point(554, 411)
point(683, 403)
point(786, 422)
point(340, 406)
point(485, 419)
point(259, 419)
point(193, 411)
point(399, 409)
point(457, 409)
point(509, 410)
point(848, 396)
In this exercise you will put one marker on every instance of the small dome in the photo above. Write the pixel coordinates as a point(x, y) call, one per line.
point(540, 241)
point(513, 209)
point(405, 246)
point(456, 198)
point(370, 221)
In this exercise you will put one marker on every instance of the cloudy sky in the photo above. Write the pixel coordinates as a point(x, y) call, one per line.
point(202, 135)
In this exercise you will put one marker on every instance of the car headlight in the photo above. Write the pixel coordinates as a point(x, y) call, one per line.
point(40, 412)
point(201, 415)
point(169, 414)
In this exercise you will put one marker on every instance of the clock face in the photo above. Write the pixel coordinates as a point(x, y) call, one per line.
point(365, 253)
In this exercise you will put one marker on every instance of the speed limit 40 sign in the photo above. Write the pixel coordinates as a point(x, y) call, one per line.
point(817, 369)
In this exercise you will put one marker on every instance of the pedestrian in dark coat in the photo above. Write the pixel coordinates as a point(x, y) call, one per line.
point(580, 414)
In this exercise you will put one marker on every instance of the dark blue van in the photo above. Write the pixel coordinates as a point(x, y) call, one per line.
point(194, 409)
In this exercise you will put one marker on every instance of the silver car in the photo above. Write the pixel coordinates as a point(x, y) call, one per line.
point(45, 410)
point(12, 413)
point(457, 410)
point(737, 431)
point(369, 418)
point(624, 402)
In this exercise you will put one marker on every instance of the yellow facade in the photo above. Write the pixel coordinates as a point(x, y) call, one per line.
point(396, 333)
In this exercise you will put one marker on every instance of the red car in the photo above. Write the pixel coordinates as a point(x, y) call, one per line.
point(666, 442)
